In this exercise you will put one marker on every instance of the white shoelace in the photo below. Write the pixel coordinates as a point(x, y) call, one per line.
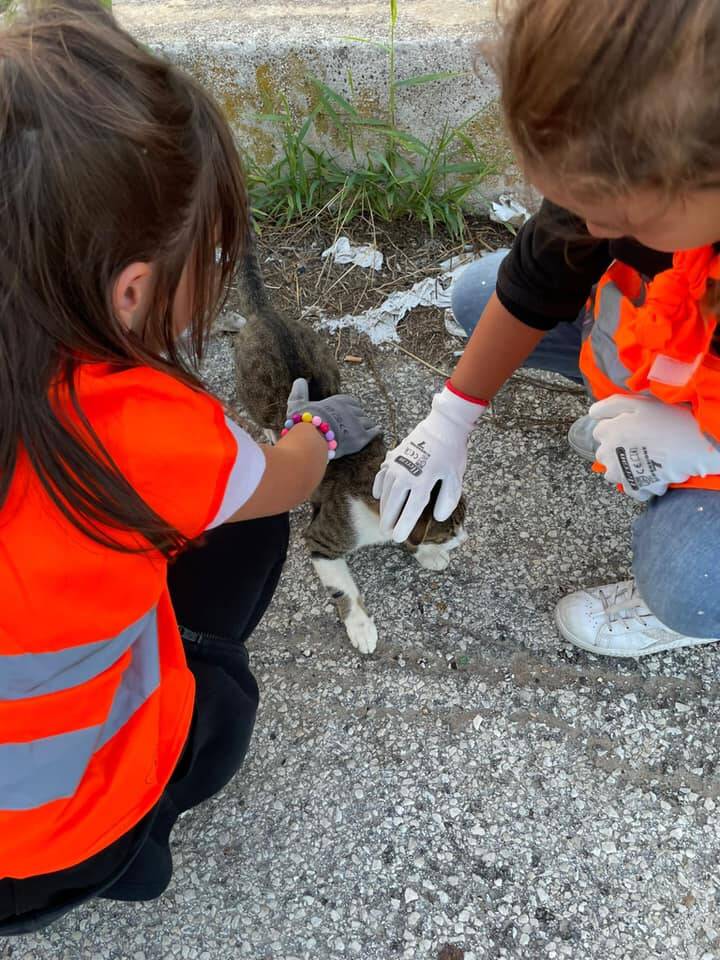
point(624, 604)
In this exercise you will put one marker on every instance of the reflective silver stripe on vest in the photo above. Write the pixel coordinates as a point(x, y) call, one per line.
point(36, 674)
point(51, 768)
point(245, 476)
point(712, 440)
point(607, 320)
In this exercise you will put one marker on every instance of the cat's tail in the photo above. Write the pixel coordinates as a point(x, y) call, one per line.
point(254, 302)
point(257, 307)
point(303, 352)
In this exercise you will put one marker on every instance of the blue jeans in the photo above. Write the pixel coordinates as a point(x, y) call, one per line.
point(559, 351)
point(676, 540)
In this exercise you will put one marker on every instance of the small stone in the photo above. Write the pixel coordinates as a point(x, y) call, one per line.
point(450, 952)
point(410, 895)
point(477, 722)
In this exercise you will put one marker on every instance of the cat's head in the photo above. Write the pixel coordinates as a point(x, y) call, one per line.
point(445, 535)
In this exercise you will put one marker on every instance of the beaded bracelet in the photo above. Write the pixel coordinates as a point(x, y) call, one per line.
point(316, 422)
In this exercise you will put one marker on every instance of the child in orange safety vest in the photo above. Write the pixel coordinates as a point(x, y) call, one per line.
point(142, 533)
point(614, 113)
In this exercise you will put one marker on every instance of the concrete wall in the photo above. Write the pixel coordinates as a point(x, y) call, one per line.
point(256, 53)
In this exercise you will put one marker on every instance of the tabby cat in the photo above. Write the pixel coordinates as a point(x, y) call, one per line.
point(271, 352)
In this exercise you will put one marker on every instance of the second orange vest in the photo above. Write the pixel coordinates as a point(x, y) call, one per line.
point(654, 337)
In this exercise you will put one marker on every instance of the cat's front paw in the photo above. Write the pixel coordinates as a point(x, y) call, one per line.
point(362, 631)
point(432, 556)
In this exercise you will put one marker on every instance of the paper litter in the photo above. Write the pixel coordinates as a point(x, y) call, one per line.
point(343, 251)
point(230, 322)
point(509, 211)
point(380, 323)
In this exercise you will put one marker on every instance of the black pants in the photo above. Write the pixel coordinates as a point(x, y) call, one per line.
point(220, 591)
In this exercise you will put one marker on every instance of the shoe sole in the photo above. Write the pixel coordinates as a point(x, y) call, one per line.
point(582, 452)
point(627, 654)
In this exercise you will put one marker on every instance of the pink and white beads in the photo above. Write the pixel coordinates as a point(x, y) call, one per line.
point(316, 422)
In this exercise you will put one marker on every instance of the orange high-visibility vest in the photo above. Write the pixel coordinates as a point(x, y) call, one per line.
point(654, 338)
point(95, 695)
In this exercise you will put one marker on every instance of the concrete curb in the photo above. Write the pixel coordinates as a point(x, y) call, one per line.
point(258, 55)
point(255, 57)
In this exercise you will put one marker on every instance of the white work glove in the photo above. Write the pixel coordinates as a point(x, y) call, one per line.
point(435, 451)
point(646, 445)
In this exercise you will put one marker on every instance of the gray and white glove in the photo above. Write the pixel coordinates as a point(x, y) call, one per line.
point(435, 452)
point(353, 429)
point(646, 445)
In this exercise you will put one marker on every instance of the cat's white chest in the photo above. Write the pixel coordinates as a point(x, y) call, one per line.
point(366, 523)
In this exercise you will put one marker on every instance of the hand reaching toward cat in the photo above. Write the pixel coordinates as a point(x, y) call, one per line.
point(353, 429)
point(435, 452)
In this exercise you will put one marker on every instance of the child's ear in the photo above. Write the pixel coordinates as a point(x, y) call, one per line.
point(131, 293)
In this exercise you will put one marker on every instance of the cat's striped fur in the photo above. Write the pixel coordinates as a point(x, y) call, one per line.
point(272, 351)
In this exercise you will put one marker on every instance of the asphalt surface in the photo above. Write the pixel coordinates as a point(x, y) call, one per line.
point(476, 788)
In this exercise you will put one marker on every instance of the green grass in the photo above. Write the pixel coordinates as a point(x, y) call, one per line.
point(400, 176)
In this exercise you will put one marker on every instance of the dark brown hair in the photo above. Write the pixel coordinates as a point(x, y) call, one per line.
point(613, 95)
point(108, 156)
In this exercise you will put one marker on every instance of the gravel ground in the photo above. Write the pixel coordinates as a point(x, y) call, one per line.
point(476, 789)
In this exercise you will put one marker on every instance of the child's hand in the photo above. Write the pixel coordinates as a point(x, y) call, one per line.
point(353, 429)
point(435, 452)
point(646, 445)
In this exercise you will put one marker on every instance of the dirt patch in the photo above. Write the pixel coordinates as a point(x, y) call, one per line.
point(302, 283)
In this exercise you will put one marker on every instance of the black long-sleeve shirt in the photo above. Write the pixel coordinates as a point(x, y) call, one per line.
point(554, 264)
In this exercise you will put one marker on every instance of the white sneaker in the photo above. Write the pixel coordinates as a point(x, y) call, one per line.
point(580, 438)
point(614, 621)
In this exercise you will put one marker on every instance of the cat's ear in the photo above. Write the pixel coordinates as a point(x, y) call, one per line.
point(420, 531)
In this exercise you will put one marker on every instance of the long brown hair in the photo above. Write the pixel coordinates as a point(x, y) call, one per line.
point(614, 94)
point(108, 156)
